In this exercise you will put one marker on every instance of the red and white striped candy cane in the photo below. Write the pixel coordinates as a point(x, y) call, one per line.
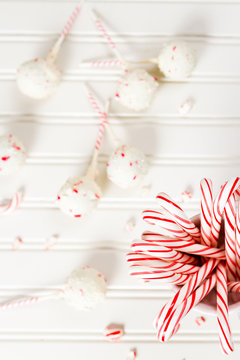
point(145, 273)
point(164, 253)
point(139, 259)
point(153, 240)
point(168, 327)
point(55, 49)
point(234, 286)
point(176, 213)
point(185, 292)
point(101, 26)
point(237, 241)
point(113, 334)
point(230, 236)
point(219, 204)
point(206, 213)
point(222, 310)
point(166, 226)
point(12, 205)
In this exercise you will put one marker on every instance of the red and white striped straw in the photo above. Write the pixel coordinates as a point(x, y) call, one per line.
point(101, 26)
point(55, 49)
point(170, 323)
point(12, 205)
point(28, 300)
point(102, 63)
point(230, 238)
point(219, 204)
point(185, 291)
point(140, 259)
point(153, 240)
point(237, 242)
point(166, 226)
point(176, 213)
point(222, 310)
point(206, 213)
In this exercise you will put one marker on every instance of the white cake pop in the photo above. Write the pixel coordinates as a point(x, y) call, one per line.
point(78, 196)
point(12, 154)
point(136, 89)
point(85, 288)
point(39, 78)
point(177, 60)
point(127, 166)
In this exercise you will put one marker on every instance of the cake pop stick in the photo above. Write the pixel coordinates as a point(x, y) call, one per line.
point(136, 89)
point(84, 289)
point(39, 78)
point(127, 165)
point(103, 63)
point(176, 60)
point(80, 195)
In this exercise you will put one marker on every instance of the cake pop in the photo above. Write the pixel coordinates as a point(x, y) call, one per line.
point(84, 289)
point(80, 195)
point(127, 166)
point(137, 87)
point(12, 154)
point(177, 60)
point(39, 78)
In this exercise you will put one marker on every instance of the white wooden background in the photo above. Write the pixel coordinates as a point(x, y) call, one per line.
point(59, 134)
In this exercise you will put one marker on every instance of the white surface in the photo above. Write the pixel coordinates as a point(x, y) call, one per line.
point(59, 134)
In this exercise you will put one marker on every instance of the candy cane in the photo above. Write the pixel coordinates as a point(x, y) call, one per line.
point(12, 205)
point(219, 203)
point(185, 292)
point(151, 275)
point(237, 242)
point(153, 240)
point(102, 28)
point(222, 310)
point(165, 225)
point(176, 213)
point(139, 259)
point(168, 328)
point(53, 53)
point(206, 213)
point(234, 286)
point(164, 253)
point(132, 355)
point(230, 227)
point(113, 334)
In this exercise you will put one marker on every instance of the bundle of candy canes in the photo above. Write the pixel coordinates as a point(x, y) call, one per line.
point(176, 251)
